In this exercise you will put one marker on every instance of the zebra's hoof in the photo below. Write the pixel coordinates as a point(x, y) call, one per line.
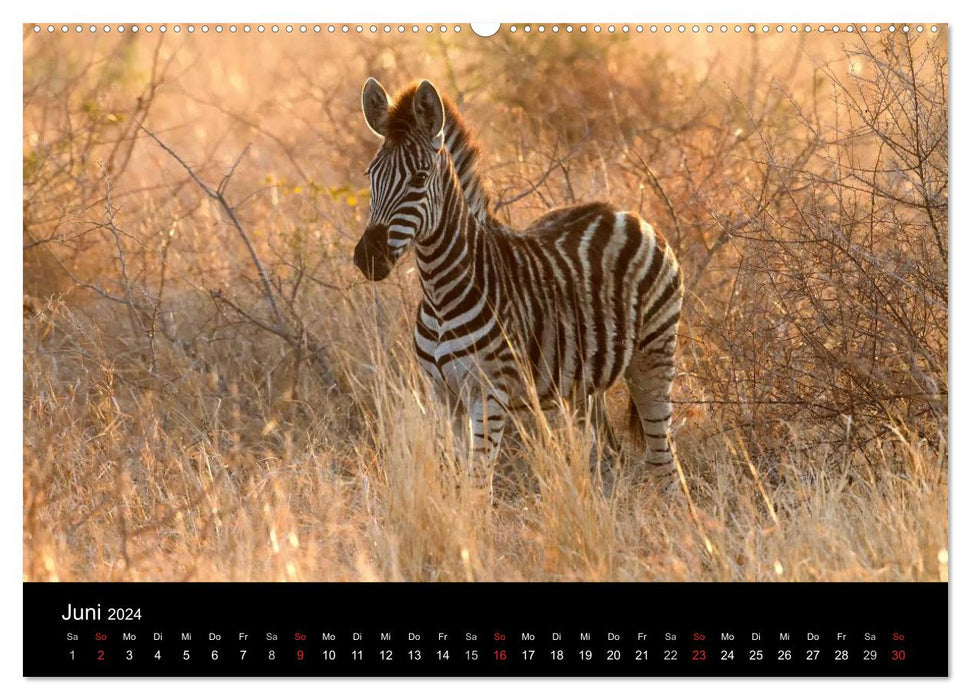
point(662, 477)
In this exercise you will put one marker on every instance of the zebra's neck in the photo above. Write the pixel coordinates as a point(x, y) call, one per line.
point(465, 157)
point(446, 256)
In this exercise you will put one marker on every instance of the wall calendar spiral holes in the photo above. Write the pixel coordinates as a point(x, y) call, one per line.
point(486, 30)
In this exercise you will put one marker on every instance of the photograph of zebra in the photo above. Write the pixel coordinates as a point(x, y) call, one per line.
point(564, 303)
point(586, 294)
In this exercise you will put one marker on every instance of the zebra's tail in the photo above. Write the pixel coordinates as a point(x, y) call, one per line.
point(634, 427)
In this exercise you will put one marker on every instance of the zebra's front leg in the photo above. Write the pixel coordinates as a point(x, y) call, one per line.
point(487, 422)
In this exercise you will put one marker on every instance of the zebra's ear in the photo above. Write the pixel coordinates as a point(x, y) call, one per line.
point(375, 103)
point(430, 112)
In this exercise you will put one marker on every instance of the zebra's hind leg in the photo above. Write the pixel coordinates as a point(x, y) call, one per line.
point(606, 449)
point(649, 379)
point(601, 425)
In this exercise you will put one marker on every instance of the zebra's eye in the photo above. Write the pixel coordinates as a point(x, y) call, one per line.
point(419, 178)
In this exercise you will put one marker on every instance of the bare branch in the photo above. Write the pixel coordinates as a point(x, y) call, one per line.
point(217, 195)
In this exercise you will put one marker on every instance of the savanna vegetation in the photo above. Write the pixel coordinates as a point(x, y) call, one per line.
point(213, 392)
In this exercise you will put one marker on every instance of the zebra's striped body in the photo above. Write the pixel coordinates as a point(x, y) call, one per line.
point(582, 297)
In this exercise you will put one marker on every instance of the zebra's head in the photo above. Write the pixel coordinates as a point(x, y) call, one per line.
point(406, 174)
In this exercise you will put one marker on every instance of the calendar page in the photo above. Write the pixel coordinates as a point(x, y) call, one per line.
point(368, 349)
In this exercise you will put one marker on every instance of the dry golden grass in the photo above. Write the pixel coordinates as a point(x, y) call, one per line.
point(169, 436)
point(112, 493)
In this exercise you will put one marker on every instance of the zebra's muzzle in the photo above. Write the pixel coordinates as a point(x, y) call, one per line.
point(371, 253)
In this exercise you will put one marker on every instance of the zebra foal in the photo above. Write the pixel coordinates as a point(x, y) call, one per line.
point(585, 295)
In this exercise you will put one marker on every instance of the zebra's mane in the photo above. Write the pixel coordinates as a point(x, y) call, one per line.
point(459, 141)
